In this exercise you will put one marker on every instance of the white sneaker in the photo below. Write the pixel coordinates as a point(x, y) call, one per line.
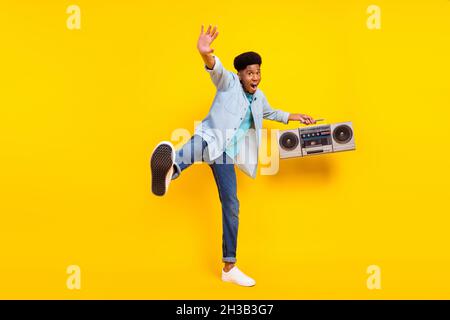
point(238, 277)
point(161, 164)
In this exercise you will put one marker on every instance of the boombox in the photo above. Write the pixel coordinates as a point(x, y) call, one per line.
point(316, 140)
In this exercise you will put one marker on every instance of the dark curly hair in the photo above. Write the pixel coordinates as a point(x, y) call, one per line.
point(245, 59)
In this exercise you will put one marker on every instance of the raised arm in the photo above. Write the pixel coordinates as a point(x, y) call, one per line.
point(204, 45)
point(222, 78)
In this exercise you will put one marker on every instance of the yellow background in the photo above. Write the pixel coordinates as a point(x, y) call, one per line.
point(81, 111)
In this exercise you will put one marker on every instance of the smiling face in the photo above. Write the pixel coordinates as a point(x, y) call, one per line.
point(250, 77)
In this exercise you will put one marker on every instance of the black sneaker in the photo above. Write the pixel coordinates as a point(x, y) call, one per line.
point(161, 164)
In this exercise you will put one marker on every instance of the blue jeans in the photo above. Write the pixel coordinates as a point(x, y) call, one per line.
point(225, 177)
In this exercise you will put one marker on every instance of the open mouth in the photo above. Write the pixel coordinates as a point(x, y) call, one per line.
point(253, 86)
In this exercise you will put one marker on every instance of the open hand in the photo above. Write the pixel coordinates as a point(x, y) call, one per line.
point(205, 40)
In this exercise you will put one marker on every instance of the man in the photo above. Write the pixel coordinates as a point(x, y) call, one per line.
point(229, 135)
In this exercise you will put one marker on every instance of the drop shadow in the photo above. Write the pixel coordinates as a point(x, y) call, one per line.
point(317, 168)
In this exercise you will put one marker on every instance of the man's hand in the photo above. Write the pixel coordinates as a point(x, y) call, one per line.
point(205, 40)
point(303, 118)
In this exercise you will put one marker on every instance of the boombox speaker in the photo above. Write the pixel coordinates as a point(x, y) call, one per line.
point(316, 140)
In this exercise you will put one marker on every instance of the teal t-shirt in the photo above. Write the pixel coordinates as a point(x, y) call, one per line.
point(233, 147)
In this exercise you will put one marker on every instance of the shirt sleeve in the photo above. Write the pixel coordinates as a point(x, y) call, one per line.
point(274, 114)
point(222, 78)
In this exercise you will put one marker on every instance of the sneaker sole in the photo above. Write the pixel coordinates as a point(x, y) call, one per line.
point(234, 282)
point(161, 162)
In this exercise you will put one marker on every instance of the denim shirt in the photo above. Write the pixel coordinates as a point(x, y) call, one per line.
point(233, 147)
point(226, 114)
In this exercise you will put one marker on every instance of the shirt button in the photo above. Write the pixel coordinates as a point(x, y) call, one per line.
point(234, 128)
point(241, 118)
